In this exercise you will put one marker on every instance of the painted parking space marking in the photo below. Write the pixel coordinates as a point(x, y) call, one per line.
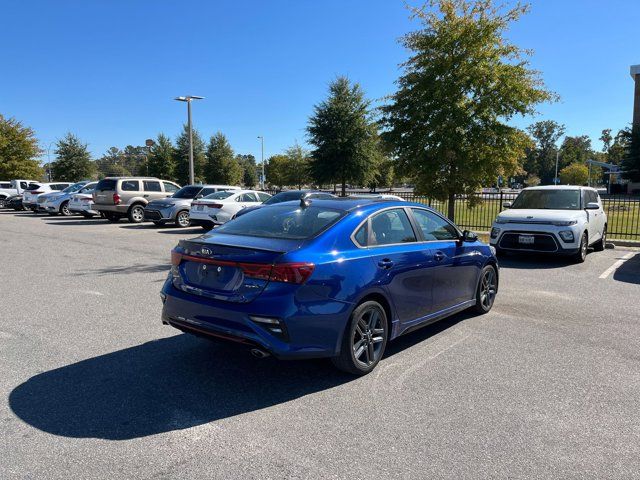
point(617, 265)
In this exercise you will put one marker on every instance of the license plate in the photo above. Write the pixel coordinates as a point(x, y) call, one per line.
point(526, 239)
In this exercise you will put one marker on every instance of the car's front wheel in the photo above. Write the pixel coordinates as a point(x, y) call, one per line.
point(601, 244)
point(582, 251)
point(364, 340)
point(64, 209)
point(487, 289)
point(182, 219)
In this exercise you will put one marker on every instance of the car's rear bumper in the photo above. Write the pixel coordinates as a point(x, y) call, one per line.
point(121, 209)
point(314, 330)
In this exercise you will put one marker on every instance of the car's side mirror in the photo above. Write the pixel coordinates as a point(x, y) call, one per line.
point(593, 206)
point(469, 236)
point(506, 204)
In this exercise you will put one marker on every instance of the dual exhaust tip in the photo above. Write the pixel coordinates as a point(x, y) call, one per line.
point(258, 353)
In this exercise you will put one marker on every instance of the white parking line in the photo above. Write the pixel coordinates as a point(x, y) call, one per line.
point(616, 265)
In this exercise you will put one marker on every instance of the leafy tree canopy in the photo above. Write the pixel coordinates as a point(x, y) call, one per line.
point(162, 159)
point(343, 135)
point(541, 158)
point(73, 160)
point(574, 174)
point(447, 123)
point(18, 151)
point(221, 164)
point(181, 169)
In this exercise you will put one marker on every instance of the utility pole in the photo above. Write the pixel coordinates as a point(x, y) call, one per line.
point(188, 99)
point(556, 179)
point(263, 180)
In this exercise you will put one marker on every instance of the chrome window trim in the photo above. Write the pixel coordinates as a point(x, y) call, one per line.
point(411, 220)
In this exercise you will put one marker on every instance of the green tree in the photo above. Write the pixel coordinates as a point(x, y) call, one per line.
point(297, 166)
point(385, 175)
point(181, 169)
point(221, 164)
point(18, 151)
point(540, 160)
point(73, 160)
point(575, 150)
point(112, 164)
point(532, 180)
point(249, 170)
point(631, 158)
point(447, 123)
point(574, 174)
point(344, 137)
point(162, 158)
point(277, 171)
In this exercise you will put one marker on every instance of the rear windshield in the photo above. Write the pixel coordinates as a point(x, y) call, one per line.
point(33, 186)
point(219, 195)
point(548, 199)
point(283, 221)
point(187, 192)
point(284, 197)
point(106, 185)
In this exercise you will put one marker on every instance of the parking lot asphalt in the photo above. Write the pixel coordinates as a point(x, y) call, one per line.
point(547, 385)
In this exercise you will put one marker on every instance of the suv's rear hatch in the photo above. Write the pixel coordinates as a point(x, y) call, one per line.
point(235, 269)
point(104, 192)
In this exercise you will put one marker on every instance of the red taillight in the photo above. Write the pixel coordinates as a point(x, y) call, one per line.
point(297, 273)
point(116, 199)
point(213, 205)
point(86, 199)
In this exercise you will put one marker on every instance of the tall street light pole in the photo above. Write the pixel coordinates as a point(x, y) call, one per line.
point(555, 180)
point(188, 99)
point(264, 178)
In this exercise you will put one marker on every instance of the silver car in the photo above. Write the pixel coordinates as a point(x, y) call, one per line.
point(58, 202)
point(175, 209)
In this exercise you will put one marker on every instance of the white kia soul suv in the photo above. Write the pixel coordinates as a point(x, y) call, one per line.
point(563, 220)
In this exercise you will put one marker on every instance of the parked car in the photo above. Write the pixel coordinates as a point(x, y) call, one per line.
point(288, 196)
point(327, 278)
point(376, 196)
point(118, 197)
point(562, 220)
point(32, 193)
point(57, 203)
point(176, 208)
point(220, 207)
point(82, 201)
point(15, 202)
point(13, 187)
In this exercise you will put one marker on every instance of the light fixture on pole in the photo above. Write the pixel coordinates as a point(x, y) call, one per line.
point(263, 180)
point(188, 99)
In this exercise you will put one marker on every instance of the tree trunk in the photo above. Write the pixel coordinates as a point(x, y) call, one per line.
point(451, 212)
point(344, 188)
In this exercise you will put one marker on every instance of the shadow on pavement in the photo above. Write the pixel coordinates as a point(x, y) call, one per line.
point(629, 271)
point(85, 221)
point(127, 270)
point(183, 231)
point(171, 384)
point(533, 261)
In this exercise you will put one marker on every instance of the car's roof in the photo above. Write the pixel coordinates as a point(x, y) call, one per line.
point(351, 203)
point(133, 178)
point(559, 187)
point(208, 185)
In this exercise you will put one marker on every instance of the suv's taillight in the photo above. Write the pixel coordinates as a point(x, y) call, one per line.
point(116, 199)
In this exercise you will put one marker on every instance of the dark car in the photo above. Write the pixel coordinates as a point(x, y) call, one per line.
point(15, 202)
point(327, 278)
point(288, 196)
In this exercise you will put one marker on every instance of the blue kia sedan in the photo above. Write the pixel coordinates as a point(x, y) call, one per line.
point(327, 278)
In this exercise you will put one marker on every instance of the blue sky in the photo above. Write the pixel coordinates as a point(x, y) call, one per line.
point(108, 70)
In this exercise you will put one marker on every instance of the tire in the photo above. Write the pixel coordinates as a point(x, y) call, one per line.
point(582, 251)
point(601, 244)
point(112, 217)
point(182, 219)
point(64, 209)
point(207, 228)
point(364, 339)
point(486, 290)
point(136, 213)
point(3, 202)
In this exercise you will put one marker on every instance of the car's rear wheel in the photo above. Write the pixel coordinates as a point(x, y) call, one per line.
point(112, 217)
point(3, 202)
point(601, 244)
point(64, 209)
point(487, 289)
point(136, 214)
point(182, 219)
point(364, 339)
point(582, 251)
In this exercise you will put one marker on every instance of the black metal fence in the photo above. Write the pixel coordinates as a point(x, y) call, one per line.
point(478, 213)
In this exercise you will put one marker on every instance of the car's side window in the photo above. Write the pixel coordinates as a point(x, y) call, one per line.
point(130, 185)
point(361, 235)
point(433, 226)
point(247, 197)
point(152, 186)
point(206, 191)
point(169, 187)
point(263, 197)
point(23, 185)
point(391, 226)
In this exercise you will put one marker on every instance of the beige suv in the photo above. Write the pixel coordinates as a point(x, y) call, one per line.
point(117, 197)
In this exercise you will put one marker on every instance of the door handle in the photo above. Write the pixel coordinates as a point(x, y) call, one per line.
point(438, 256)
point(385, 263)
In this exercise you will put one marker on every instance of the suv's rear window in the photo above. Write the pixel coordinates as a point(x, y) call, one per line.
point(105, 185)
point(283, 221)
point(33, 186)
